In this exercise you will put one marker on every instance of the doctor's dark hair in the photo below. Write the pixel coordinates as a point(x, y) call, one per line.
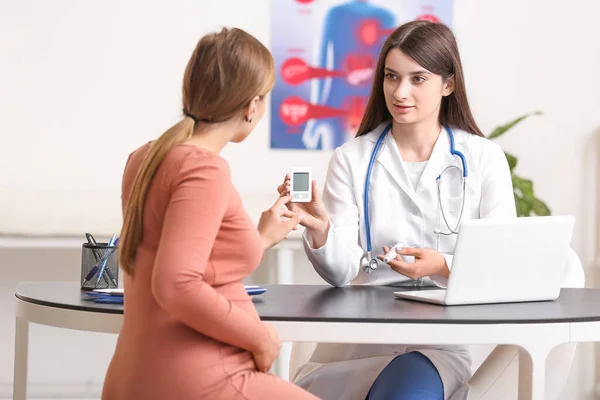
point(225, 72)
point(433, 46)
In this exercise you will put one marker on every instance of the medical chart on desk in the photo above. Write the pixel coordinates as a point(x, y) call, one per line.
point(325, 55)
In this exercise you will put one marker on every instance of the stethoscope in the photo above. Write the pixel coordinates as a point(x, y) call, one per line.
point(371, 263)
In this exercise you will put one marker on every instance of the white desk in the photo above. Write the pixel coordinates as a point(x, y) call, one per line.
point(311, 313)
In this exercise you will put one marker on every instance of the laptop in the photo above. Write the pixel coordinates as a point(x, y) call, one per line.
point(505, 261)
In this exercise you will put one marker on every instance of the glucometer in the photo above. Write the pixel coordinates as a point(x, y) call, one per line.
point(301, 184)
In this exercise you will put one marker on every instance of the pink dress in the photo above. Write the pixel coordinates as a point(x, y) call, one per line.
point(189, 324)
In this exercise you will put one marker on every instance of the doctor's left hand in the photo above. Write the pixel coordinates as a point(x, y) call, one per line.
point(427, 262)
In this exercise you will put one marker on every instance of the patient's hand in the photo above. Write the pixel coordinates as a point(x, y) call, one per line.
point(277, 222)
point(427, 262)
point(266, 354)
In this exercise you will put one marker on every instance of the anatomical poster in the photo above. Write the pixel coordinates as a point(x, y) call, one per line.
point(325, 55)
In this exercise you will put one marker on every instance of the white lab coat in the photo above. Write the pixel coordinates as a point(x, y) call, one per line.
point(398, 213)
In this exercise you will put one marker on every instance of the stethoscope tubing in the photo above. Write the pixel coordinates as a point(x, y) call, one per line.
point(372, 265)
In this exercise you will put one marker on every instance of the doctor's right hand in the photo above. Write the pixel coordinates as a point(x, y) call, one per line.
point(268, 351)
point(313, 214)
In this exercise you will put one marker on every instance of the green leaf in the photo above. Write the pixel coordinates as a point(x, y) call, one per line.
point(525, 186)
point(527, 189)
point(512, 161)
point(540, 208)
point(503, 128)
point(523, 207)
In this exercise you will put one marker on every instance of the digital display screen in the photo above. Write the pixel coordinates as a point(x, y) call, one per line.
point(300, 182)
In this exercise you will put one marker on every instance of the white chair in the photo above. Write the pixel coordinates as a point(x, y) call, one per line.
point(496, 367)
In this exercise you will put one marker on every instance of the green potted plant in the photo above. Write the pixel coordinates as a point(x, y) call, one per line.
point(527, 203)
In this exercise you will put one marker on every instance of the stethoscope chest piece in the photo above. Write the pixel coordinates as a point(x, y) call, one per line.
point(368, 263)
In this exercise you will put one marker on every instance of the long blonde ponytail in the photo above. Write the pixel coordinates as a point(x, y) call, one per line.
point(131, 233)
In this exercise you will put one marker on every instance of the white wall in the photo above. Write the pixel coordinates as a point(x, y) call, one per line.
point(84, 83)
point(87, 83)
point(77, 73)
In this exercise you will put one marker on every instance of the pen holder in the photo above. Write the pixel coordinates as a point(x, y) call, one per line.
point(99, 260)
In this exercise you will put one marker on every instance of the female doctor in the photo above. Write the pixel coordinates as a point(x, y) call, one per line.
point(418, 165)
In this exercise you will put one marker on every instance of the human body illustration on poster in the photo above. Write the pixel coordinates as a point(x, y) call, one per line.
point(325, 55)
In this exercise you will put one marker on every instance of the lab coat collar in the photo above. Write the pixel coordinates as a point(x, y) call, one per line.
point(390, 158)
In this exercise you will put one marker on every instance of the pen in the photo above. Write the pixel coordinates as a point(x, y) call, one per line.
point(92, 242)
point(111, 243)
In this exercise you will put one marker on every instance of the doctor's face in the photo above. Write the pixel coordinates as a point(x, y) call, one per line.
point(412, 93)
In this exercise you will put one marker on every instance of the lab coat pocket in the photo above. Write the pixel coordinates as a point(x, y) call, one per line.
point(449, 210)
point(454, 213)
point(451, 207)
point(446, 243)
point(451, 194)
point(448, 219)
point(450, 189)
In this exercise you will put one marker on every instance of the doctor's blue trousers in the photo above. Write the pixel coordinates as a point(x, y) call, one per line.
point(410, 376)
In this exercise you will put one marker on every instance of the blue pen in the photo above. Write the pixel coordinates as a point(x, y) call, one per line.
point(92, 241)
point(96, 267)
point(112, 242)
point(102, 264)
